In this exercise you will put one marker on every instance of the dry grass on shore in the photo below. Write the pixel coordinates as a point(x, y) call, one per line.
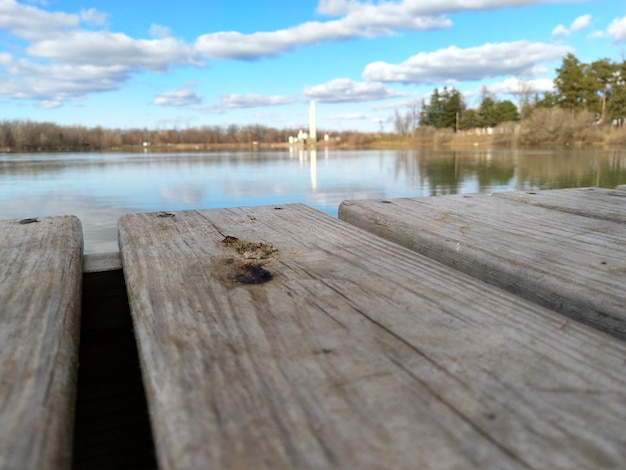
point(545, 128)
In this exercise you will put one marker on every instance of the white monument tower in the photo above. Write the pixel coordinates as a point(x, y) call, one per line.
point(312, 123)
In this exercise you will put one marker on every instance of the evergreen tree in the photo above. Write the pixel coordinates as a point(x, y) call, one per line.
point(506, 111)
point(487, 112)
point(548, 100)
point(432, 111)
point(571, 83)
point(453, 109)
point(492, 112)
point(469, 120)
point(616, 107)
point(583, 86)
point(603, 74)
point(444, 109)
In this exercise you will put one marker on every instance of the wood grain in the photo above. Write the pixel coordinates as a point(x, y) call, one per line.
point(101, 262)
point(40, 279)
point(567, 262)
point(358, 353)
point(599, 203)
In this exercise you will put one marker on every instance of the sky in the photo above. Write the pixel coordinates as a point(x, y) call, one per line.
point(190, 63)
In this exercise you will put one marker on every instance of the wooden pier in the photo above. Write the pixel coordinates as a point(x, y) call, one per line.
point(453, 332)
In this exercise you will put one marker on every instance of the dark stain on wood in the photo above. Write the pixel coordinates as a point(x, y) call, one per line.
point(254, 257)
point(253, 274)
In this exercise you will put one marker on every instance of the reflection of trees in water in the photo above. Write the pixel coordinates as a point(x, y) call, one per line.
point(444, 172)
point(37, 164)
point(443, 175)
point(437, 171)
point(568, 169)
point(494, 170)
point(406, 163)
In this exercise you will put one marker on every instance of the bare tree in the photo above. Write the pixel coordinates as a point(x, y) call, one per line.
point(525, 91)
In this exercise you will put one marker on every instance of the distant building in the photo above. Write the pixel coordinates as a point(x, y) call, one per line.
point(304, 138)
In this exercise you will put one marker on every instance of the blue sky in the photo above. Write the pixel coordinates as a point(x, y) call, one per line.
point(164, 64)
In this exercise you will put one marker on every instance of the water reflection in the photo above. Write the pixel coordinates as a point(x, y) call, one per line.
point(99, 188)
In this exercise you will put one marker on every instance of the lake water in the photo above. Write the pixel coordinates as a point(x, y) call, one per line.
point(100, 187)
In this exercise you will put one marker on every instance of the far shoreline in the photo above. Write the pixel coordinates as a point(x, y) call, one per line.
point(434, 141)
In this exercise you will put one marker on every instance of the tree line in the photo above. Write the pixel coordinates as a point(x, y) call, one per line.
point(597, 88)
point(30, 136)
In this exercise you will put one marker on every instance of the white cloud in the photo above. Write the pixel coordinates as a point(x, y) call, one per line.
point(344, 90)
point(422, 7)
point(104, 48)
point(579, 24)
point(178, 98)
point(348, 117)
point(31, 23)
point(58, 82)
point(234, 45)
point(617, 29)
point(235, 101)
point(50, 104)
point(5, 59)
point(81, 62)
point(55, 83)
point(93, 16)
point(158, 31)
point(454, 64)
point(416, 100)
point(560, 30)
point(515, 86)
point(65, 62)
point(355, 19)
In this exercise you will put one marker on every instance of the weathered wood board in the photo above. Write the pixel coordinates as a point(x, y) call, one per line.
point(101, 262)
point(338, 349)
point(567, 262)
point(40, 286)
point(599, 203)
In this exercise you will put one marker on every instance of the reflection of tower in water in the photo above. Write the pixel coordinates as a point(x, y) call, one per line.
point(310, 156)
point(313, 163)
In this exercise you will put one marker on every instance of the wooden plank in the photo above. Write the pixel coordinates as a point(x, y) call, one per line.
point(569, 263)
point(40, 275)
point(599, 203)
point(101, 262)
point(353, 352)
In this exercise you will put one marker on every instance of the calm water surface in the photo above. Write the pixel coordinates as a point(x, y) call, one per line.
point(100, 187)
